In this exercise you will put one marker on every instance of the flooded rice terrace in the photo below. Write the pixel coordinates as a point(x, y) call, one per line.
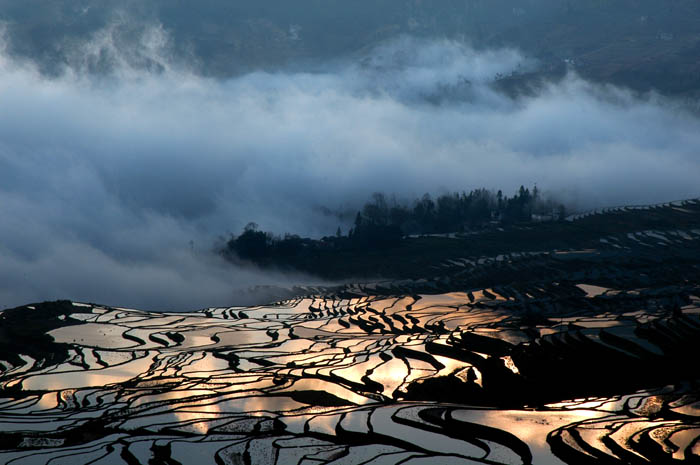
point(447, 378)
point(577, 356)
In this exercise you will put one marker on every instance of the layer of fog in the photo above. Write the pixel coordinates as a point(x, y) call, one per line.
point(114, 186)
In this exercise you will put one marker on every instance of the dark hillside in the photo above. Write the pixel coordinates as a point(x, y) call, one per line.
point(642, 44)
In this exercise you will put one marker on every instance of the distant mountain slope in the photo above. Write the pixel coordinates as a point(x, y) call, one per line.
point(643, 44)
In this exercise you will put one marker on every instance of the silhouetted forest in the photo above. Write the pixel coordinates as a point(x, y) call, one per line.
point(384, 222)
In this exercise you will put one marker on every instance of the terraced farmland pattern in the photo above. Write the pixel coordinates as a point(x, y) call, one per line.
point(558, 356)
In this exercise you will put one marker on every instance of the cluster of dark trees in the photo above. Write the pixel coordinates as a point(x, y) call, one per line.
point(384, 222)
point(257, 245)
point(456, 212)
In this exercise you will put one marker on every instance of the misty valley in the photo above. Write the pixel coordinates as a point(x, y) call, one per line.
point(290, 232)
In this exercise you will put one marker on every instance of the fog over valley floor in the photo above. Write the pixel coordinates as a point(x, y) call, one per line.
point(115, 185)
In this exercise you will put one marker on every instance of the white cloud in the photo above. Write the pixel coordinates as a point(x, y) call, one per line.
point(111, 175)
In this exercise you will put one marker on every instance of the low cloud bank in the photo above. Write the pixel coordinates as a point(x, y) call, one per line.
point(114, 185)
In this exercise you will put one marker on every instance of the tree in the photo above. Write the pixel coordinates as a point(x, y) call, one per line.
point(358, 222)
point(561, 212)
point(377, 211)
point(424, 213)
point(251, 244)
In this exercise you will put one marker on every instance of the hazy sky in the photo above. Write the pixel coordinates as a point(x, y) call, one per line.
point(106, 178)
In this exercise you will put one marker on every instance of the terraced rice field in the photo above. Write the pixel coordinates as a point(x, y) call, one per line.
point(558, 356)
